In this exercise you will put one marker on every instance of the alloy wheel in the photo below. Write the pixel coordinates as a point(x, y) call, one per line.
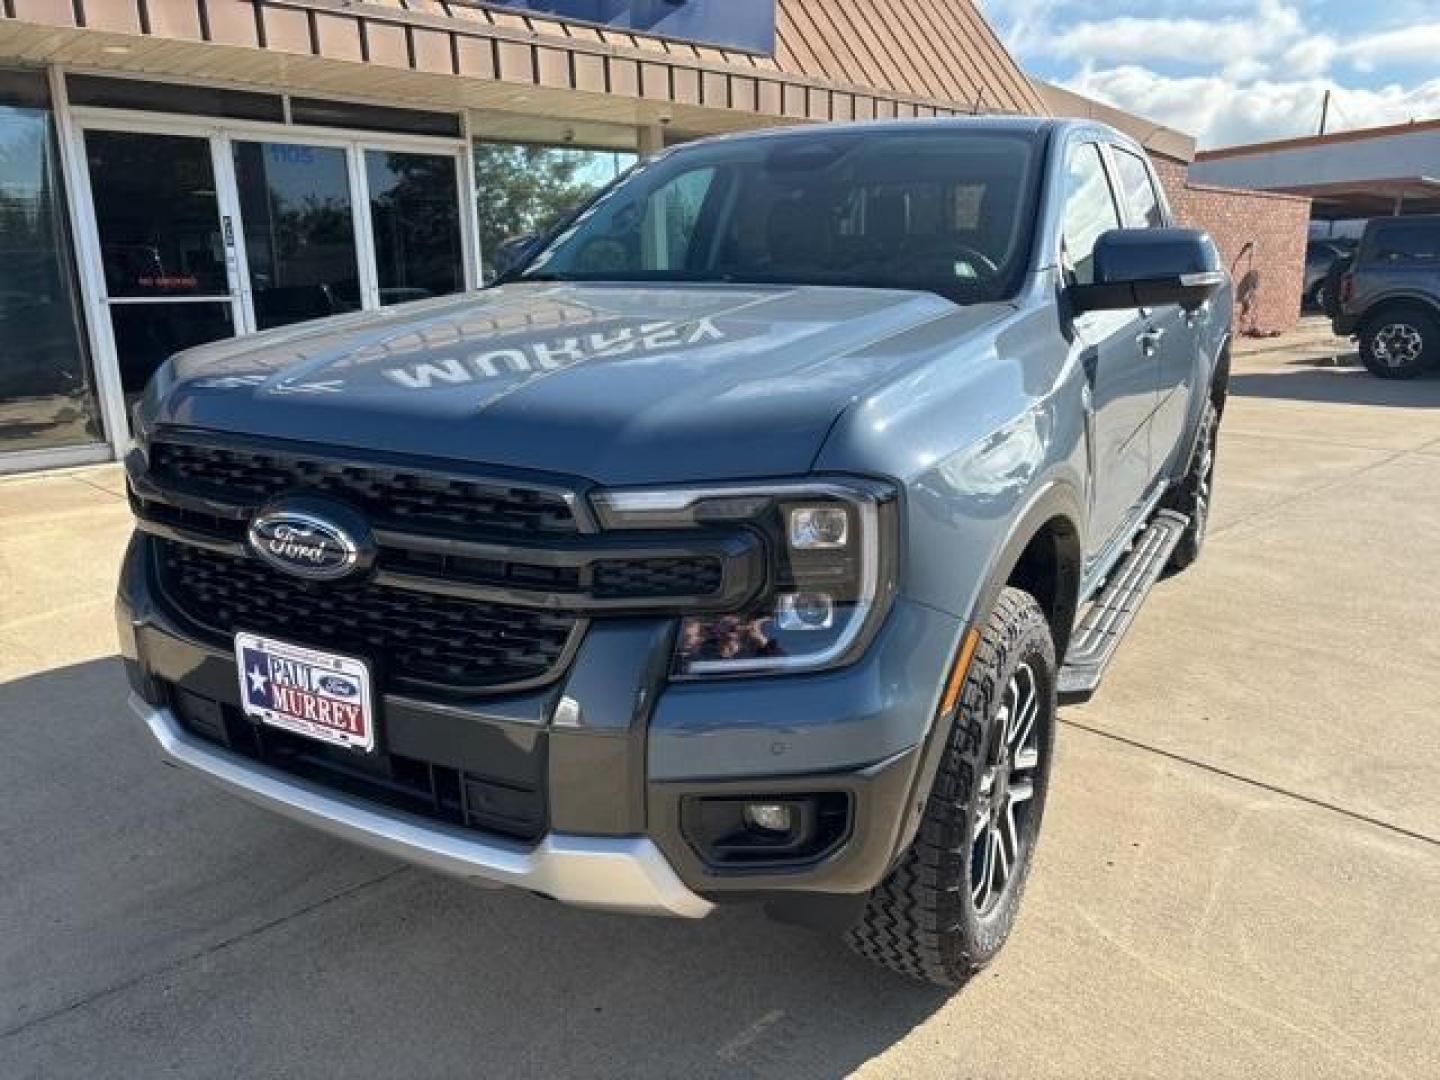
point(1399, 344)
point(1007, 790)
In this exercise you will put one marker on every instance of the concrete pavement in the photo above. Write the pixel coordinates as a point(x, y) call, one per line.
point(1239, 874)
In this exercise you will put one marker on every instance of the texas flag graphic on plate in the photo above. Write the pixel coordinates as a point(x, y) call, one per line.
point(317, 694)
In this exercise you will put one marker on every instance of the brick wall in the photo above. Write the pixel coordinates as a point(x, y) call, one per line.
point(1262, 237)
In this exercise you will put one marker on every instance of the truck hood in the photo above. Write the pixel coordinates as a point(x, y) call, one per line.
point(619, 384)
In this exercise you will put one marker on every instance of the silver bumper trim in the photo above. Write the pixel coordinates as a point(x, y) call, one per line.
point(628, 874)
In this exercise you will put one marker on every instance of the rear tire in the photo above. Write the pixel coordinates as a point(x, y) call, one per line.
point(1400, 342)
point(1192, 497)
point(948, 907)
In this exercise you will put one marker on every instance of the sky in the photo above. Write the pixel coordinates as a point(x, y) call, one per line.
point(1236, 71)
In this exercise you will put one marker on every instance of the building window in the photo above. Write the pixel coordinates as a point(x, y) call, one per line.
point(145, 96)
point(523, 189)
point(47, 397)
point(344, 114)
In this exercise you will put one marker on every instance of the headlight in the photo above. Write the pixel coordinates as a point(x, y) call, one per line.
point(831, 548)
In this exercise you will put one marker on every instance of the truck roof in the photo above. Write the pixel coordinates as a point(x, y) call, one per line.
point(1019, 125)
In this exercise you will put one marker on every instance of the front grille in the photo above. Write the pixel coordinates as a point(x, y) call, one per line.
point(391, 497)
point(484, 540)
point(418, 640)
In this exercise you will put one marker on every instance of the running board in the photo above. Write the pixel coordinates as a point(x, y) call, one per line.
point(1100, 632)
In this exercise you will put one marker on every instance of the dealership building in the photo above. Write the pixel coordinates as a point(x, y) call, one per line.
point(1349, 176)
point(175, 172)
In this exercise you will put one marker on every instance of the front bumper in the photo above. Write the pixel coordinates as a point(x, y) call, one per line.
point(627, 874)
point(613, 773)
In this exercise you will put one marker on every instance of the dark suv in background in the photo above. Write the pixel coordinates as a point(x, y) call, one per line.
point(1320, 259)
point(1390, 296)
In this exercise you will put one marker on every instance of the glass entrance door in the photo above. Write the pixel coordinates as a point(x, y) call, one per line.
point(167, 251)
point(415, 224)
point(299, 223)
point(207, 233)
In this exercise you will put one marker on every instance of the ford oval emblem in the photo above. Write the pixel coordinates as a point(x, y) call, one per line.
point(311, 539)
point(339, 686)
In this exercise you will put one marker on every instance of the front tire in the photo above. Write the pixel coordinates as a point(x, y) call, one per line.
point(948, 907)
point(1400, 342)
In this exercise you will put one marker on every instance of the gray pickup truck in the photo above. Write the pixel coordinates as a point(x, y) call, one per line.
point(737, 547)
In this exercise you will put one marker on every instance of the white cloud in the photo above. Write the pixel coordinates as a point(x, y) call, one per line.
point(1244, 40)
point(1223, 112)
point(1309, 57)
point(1028, 23)
point(1418, 44)
point(1232, 42)
point(1245, 70)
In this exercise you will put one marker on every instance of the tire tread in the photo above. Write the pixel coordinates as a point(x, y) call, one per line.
point(912, 922)
point(1192, 541)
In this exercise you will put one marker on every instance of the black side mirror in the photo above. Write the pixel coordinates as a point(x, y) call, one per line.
point(1151, 268)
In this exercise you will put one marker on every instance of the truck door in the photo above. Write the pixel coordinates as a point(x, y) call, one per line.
point(1117, 354)
point(1174, 336)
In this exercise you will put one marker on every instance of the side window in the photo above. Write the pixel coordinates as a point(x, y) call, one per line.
point(1141, 202)
point(1405, 242)
point(1089, 211)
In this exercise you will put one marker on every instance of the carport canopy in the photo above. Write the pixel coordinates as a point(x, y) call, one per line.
point(1372, 198)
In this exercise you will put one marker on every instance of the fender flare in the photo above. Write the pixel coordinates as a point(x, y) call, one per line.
point(1404, 296)
point(1054, 499)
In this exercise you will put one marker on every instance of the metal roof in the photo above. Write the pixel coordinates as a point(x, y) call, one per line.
point(834, 60)
point(1348, 174)
point(1330, 139)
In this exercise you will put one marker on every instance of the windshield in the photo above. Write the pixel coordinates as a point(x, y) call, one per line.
point(942, 210)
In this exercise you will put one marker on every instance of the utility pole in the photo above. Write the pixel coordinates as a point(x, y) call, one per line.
point(1324, 112)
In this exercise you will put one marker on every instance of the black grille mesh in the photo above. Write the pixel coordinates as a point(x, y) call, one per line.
point(425, 640)
point(657, 577)
point(394, 497)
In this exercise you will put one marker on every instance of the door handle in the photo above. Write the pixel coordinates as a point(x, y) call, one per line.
point(1150, 341)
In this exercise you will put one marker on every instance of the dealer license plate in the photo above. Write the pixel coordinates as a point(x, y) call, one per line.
point(316, 694)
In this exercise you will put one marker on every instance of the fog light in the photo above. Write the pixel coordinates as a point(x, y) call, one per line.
point(819, 528)
point(769, 817)
point(764, 828)
point(805, 611)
